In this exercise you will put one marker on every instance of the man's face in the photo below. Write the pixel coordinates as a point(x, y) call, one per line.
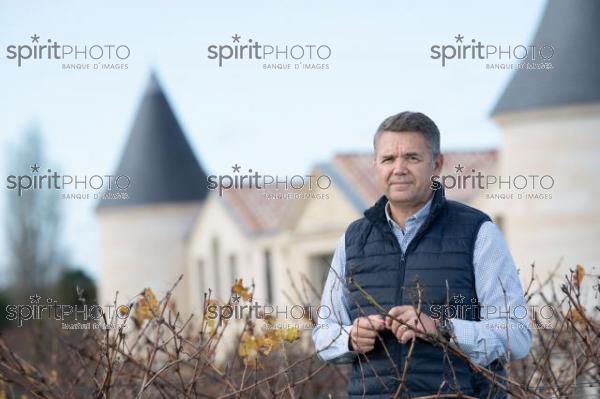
point(404, 167)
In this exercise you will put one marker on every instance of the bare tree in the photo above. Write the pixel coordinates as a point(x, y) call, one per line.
point(32, 218)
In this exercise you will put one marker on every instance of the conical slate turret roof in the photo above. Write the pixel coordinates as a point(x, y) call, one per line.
point(572, 27)
point(157, 157)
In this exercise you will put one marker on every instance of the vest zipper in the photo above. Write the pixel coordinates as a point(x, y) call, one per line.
point(402, 274)
point(413, 242)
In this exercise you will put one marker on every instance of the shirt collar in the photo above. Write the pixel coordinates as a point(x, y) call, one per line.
point(417, 217)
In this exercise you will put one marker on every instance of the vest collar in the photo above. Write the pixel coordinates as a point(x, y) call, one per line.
point(376, 213)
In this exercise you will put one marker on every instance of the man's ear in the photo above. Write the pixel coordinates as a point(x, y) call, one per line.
point(438, 164)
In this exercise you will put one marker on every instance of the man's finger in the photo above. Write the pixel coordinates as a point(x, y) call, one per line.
point(365, 349)
point(418, 323)
point(392, 315)
point(364, 341)
point(408, 315)
point(395, 326)
point(406, 336)
point(403, 320)
point(367, 323)
point(363, 344)
point(365, 333)
point(373, 322)
point(398, 329)
point(376, 322)
point(396, 313)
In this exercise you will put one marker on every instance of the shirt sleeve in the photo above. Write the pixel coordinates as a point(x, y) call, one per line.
point(504, 326)
point(332, 332)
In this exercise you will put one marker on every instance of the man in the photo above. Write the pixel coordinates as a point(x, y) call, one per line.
point(413, 259)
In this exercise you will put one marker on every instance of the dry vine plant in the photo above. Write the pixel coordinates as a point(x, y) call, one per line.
point(152, 352)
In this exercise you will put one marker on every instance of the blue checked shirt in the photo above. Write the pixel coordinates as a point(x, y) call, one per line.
point(504, 328)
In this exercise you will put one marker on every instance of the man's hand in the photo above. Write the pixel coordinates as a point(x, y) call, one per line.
point(364, 332)
point(422, 324)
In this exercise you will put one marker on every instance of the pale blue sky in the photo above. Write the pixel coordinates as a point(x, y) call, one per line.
point(276, 122)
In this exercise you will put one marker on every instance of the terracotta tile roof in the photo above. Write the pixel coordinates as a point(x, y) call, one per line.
point(354, 175)
point(485, 162)
point(256, 213)
point(357, 171)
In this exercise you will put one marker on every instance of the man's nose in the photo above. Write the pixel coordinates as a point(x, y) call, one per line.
point(399, 166)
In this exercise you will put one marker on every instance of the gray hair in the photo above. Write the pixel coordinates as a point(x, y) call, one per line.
point(408, 121)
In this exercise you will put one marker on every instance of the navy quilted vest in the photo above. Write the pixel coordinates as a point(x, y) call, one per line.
point(440, 259)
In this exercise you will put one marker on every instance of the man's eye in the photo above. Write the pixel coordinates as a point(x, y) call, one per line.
point(386, 160)
point(413, 158)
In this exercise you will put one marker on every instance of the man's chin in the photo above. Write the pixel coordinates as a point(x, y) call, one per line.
point(400, 197)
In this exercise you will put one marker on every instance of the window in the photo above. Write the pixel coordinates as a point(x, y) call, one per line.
point(233, 271)
point(201, 278)
point(499, 221)
point(269, 275)
point(319, 270)
point(216, 265)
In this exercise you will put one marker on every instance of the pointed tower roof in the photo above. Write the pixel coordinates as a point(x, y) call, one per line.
point(157, 157)
point(572, 28)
